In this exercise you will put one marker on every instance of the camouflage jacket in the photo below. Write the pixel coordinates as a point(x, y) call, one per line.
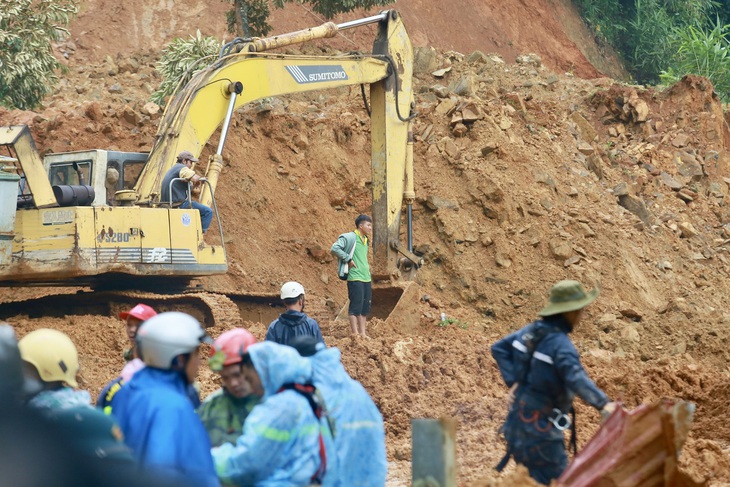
point(223, 416)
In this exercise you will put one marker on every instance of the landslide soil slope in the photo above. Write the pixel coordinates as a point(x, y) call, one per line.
point(526, 194)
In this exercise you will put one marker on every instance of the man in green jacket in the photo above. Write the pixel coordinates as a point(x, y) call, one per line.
point(351, 250)
point(224, 411)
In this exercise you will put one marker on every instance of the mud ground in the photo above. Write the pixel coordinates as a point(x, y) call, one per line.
point(528, 193)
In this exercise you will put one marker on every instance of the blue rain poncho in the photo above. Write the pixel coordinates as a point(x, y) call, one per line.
point(279, 446)
point(162, 429)
point(359, 432)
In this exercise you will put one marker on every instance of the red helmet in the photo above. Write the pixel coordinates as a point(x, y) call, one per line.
point(229, 348)
point(141, 312)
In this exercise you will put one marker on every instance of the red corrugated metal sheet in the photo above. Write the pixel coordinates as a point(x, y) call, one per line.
point(636, 448)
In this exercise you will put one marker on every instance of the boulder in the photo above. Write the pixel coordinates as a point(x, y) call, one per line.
point(301, 140)
point(669, 181)
point(459, 130)
point(680, 140)
point(465, 86)
point(686, 230)
point(93, 111)
point(436, 202)
point(440, 90)
point(560, 249)
point(585, 129)
point(425, 60)
point(489, 147)
point(531, 59)
point(471, 113)
point(151, 108)
point(477, 57)
point(637, 207)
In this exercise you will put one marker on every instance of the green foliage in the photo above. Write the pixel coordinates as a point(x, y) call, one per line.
point(330, 8)
point(181, 60)
point(664, 38)
point(27, 65)
point(453, 321)
point(705, 52)
point(604, 17)
point(648, 33)
point(248, 18)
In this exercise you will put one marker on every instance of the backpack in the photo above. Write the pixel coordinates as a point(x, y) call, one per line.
point(316, 402)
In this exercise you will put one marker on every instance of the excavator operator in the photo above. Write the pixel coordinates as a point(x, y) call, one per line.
point(183, 169)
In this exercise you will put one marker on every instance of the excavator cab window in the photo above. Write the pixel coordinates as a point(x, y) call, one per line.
point(122, 171)
point(132, 169)
point(63, 173)
point(129, 165)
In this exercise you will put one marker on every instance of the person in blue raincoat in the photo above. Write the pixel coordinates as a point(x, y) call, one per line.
point(359, 432)
point(542, 368)
point(153, 409)
point(283, 439)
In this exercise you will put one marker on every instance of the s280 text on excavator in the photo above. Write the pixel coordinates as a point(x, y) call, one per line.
point(95, 218)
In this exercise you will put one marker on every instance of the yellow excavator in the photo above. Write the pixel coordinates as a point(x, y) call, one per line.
point(95, 218)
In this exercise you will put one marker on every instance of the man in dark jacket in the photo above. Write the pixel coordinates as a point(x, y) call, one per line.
point(542, 368)
point(293, 322)
point(183, 169)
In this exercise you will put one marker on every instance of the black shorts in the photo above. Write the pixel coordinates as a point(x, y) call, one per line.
point(360, 294)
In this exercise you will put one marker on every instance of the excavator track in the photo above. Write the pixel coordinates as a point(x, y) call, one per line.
point(212, 309)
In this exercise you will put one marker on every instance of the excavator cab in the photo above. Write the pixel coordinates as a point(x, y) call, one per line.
point(106, 171)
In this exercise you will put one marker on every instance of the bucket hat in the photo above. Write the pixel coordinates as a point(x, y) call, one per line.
point(568, 296)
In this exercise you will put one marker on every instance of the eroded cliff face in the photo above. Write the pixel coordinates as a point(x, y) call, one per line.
point(550, 28)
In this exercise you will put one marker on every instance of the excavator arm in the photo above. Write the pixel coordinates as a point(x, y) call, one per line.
point(64, 234)
point(233, 80)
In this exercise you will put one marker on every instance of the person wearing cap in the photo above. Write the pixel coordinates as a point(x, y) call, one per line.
point(351, 250)
point(359, 441)
point(293, 322)
point(179, 196)
point(542, 368)
point(153, 409)
point(133, 318)
point(224, 411)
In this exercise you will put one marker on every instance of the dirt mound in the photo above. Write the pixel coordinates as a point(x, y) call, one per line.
point(551, 29)
point(524, 177)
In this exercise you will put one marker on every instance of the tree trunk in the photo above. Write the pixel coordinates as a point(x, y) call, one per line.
point(242, 27)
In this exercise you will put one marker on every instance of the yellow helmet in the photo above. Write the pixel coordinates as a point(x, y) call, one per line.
point(52, 353)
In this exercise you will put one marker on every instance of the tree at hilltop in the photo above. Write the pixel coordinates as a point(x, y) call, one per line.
point(27, 29)
point(249, 18)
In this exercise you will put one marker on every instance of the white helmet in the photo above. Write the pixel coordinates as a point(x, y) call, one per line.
point(291, 289)
point(167, 335)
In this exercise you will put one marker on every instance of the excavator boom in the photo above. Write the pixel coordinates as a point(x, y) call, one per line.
point(236, 79)
point(80, 221)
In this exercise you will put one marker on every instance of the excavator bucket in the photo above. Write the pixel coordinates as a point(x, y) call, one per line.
point(638, 448)
point(396, 304)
